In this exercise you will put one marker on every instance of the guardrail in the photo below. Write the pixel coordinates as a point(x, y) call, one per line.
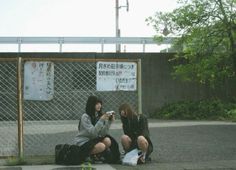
point(82, 40)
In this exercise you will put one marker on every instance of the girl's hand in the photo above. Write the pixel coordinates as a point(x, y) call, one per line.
point(105, 116)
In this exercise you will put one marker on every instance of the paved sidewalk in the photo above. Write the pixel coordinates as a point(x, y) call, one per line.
point(209, 165)
point(56, 167)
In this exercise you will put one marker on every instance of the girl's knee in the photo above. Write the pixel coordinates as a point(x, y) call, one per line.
point(100, 147)
point(125, 138)
point(142, 140)
point(126, 142)
point(107, 142)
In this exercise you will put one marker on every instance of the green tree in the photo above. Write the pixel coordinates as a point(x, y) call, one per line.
point(206, 31)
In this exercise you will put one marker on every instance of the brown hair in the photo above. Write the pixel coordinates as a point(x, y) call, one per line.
point(127, 109)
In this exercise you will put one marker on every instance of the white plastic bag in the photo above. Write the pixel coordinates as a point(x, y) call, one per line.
point(131, 158)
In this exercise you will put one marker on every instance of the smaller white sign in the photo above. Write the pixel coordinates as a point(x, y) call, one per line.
point(115, 76)
point(38, 81)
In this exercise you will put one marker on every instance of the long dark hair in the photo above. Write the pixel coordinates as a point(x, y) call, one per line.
point(90, 108)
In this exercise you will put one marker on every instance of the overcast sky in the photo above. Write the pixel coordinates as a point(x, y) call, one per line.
point(78, 17)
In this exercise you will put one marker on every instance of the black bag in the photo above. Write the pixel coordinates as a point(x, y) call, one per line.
point(113, 155)
point(66, 154)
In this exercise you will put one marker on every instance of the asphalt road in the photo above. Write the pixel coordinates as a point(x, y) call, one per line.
point(193, 147)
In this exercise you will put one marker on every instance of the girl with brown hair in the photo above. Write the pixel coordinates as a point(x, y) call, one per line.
point(136, 132)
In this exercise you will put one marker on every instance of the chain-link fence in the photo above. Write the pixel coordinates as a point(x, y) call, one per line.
point(8, 108)
point(47, 123)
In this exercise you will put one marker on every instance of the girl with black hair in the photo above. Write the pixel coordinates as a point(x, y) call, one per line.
point(93, 137)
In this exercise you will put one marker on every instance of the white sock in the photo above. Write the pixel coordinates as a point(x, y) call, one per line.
point(144, 155)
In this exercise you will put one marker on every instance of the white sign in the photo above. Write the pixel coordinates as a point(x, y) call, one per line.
point(115, 76)
point(38, 81)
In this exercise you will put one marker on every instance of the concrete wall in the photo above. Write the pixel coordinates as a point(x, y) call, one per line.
point(158, 86)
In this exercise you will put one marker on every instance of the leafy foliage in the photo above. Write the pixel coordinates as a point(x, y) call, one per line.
point(206, 32)
point(214, 109)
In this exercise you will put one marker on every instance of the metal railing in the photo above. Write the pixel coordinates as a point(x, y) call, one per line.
point(82, 40)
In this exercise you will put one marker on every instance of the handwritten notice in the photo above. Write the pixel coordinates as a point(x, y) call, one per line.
point(38, 81)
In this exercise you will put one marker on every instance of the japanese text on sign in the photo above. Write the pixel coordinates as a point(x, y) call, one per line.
point(38, 81)
point(115, 76)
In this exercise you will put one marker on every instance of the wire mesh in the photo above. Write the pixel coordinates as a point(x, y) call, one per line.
point(47, 123)
point(8, 108)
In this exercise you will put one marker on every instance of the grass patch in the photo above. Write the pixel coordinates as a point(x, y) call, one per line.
point(30, 160)
point(13, 161)
point(232, 114)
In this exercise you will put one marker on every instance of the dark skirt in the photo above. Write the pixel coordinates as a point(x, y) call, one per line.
point(112, 157)
point(87, 147)
point(134, 145)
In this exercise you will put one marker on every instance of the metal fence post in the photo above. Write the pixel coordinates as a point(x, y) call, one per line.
point(61, 41)
point(102, 46)
point(20, 107)
point(19, 45)
point(144, 46)
point(139, 87)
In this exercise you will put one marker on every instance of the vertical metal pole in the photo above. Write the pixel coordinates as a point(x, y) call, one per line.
point(144, 46)
point(20, 108)
point(117, 26)
point(60, 50)
point(139, 87)
point(60, 45)
point(102, 45)
point(19, 45)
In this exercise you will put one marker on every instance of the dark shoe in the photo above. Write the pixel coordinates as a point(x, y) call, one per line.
point(97, 158)
point(141, 160)
point(107, 155)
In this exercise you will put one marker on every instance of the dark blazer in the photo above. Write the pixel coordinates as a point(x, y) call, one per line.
point(135, 127)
